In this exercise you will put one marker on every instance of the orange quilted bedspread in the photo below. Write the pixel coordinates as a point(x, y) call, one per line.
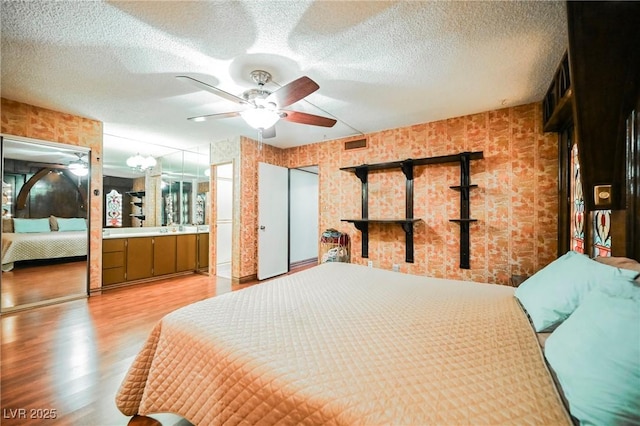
point(345, 344)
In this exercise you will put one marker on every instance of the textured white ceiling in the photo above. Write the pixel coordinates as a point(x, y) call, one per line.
point(379, 64)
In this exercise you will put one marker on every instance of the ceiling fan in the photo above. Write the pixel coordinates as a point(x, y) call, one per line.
point(262, 108)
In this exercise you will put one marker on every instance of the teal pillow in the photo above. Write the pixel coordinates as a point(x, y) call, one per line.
point(595, 354)
point(71, 224)
point(31, 225)
point(554, 292)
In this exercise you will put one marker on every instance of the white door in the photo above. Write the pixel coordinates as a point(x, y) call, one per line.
point(273, 226)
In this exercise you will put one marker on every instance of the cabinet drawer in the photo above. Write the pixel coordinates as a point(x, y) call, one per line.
point(113, 260)
point(112, 276)
point(116, 244)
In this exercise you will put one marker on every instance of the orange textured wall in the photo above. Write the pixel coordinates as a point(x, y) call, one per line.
point(19, 119)
point(515, 203)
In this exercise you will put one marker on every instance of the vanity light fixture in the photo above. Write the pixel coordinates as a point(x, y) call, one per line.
point(140, 163)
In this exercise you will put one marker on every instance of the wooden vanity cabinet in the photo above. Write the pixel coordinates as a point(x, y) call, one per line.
point(139, 258)
point(186, 254)
point(203, 251)
point(164, 255)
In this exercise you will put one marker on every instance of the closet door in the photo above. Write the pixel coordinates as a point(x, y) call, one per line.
point(273, 220)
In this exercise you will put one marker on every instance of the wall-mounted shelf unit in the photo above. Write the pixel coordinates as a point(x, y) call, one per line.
point(137, 200)
point(362, 223)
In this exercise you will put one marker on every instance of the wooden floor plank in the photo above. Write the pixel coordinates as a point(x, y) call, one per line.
point(39, 282)
point(72, 357)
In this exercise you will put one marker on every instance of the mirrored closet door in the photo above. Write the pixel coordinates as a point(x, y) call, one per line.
point(45, 196)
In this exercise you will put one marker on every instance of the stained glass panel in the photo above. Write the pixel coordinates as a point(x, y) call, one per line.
point(577, 205)
point(602, 233)
point(113, 211)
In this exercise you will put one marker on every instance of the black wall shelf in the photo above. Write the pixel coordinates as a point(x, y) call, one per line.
point(464, 221)
point(138, 201)
point(362, 224)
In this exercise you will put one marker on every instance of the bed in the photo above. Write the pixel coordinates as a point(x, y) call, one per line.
point(50, 244)
point(345, 344)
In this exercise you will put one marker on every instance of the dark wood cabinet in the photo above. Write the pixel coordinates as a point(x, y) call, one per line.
point(604, 61)
point(557, 103)
point(593, 101)
point(186, 253)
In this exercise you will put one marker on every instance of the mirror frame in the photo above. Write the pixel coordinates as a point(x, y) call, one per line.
point(87, 207)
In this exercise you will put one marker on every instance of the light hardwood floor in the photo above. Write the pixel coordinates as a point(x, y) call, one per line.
point(34, 283)
point(72, 357)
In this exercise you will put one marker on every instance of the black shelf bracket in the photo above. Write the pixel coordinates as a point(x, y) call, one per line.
point(407, 168)
point(408, 238)
point(363, 227)
point(363, 173)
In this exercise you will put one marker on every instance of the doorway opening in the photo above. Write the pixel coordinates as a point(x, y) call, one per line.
point(224, 218)
point(303, 216)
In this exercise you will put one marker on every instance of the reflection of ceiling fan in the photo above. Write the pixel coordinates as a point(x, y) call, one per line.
point(262, 108)
point(78, 167)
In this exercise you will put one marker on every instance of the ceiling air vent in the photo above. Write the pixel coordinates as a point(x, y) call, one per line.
point(359, 143)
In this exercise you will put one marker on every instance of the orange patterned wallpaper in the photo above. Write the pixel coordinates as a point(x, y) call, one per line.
point(515, 203)
point(29, 121)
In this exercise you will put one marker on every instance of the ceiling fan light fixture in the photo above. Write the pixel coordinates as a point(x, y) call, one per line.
point(260, 118)
point(78, 167)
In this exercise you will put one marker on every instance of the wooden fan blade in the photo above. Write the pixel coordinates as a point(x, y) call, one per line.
point(304, 118)
point(215, 116)
point(293, 92)
point(212, 89)
point(269, 133)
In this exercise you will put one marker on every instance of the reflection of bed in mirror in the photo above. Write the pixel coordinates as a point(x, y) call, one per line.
point(42, 238)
